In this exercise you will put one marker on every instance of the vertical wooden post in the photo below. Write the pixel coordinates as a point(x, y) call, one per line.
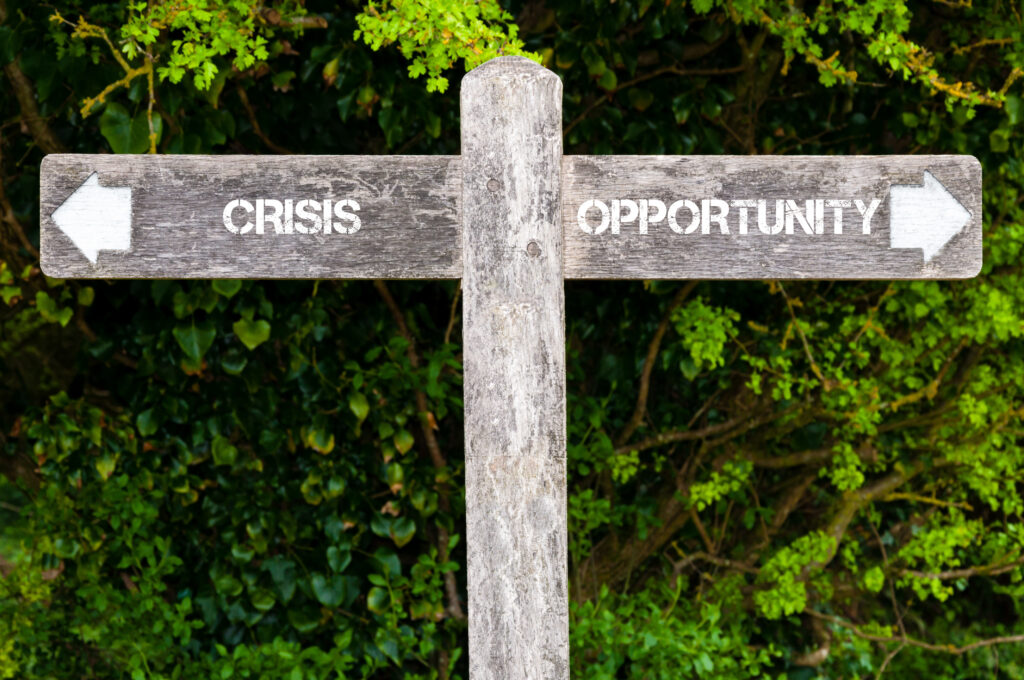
point(514, 362)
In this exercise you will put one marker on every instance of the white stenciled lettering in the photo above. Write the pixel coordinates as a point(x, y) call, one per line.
point(742, 207)
point(289, 216)
point(229, 210)
point(794, 214)
point(618, 218)
point(694, 221)
point(868, 212)
point(328, 215)
point(646, 218)
point(762, 218)
point(733, 217)
point(819, 216)
point(354, 222)
point(303, 216)
point(706, 218)
point(581, 216)
point(274, 218)
point(306, 212)
point(837, 213)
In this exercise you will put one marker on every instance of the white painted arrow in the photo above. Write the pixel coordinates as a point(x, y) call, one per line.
point(97, 218)
point(924, 216)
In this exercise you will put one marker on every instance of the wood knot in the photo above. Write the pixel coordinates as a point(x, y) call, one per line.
point(493, 185)
point(533, 249)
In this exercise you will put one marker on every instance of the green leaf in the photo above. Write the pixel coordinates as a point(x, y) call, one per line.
point(596, 65)
point(403, 441)
point(116, 127)
point(262, 599)
point(329, 591)
point(86, 295)
point(126, 134)
point(338, 558)
point(608, 80)
point(51, 311)
point(146, 422)
point(251, 333)
point(999, 140)
point(359, 406)
point(282, 572)
point(640, 99)
point(304, 619)
point(381, 525)
point(282, 80)
point(402, 531)
point(224, 452)
point(227, 585)
point(395, 476)
point(66, 548)
point(105, 465)
point(335, 485)
point(226, 287)
point(1014, 109)
point(194, 340)
point(234, 362)
point(389, 561)
point(433, 124)
point(242, 553)
point(377, 600)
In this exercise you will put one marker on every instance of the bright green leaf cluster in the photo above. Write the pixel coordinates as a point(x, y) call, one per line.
point(435, 34)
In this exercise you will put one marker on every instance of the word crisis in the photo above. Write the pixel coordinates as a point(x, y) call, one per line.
point(305, 216)
point(758, 215)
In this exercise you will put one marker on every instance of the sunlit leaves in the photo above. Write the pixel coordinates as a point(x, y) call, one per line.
point(203, 30)
point(434, 36)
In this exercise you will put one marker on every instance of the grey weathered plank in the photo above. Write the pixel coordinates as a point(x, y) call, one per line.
point(514, 363)
point(663, 254)
point(410, 217)
point(409, 212)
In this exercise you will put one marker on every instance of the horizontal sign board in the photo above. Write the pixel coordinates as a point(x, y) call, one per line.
point(624, 217)
point(768, 217)
point(261, 217)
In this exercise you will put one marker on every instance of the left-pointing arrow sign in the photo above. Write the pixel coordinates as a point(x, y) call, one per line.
point(97, 218)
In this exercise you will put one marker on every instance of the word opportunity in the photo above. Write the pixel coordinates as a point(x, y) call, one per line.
point(768, 217)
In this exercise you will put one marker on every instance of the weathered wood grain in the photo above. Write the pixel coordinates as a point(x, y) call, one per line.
point(514, 372)
point(409, 207)
point(409, 212)
point(662, 253)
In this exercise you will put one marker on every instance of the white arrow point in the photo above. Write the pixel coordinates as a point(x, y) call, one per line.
point(97, 218)
point(924, 216)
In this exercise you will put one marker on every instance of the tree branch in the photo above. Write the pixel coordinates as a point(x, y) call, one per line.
point(932, 647)
point(677, 567)
point(25, 93)
point(251, 115)
point(952, 574)
point(652, 354)
point(682, 435)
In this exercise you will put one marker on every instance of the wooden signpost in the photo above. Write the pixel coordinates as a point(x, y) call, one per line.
point(512, 218)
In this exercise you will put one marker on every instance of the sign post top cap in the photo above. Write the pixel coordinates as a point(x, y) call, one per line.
point(504, 67)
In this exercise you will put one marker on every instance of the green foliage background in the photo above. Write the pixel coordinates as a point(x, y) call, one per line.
point(246, 479)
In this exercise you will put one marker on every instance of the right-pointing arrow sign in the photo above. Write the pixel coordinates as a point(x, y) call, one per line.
point(924, 216)
point(97, 218)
